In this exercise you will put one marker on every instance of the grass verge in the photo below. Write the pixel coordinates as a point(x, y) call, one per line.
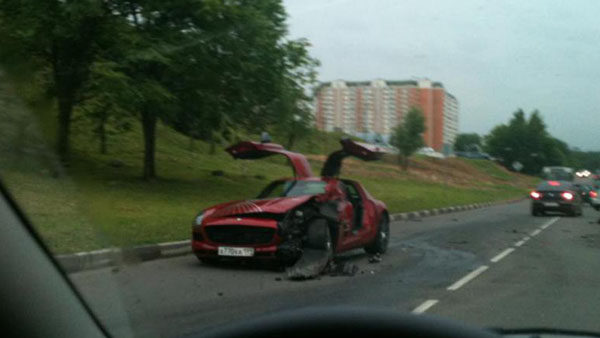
point(100, 201)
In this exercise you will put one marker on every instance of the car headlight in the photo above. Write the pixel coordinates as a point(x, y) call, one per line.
point(199, 218)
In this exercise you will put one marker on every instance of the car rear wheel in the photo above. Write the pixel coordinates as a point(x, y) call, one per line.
point(537, 211)
point(380, 243)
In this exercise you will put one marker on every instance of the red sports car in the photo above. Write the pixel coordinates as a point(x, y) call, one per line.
point(301, 221)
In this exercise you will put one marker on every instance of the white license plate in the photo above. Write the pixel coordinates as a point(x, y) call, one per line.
point(236, 252)
point(551, 204)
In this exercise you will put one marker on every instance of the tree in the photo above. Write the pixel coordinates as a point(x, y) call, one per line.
point(59, 39)
point(107, 101)
point(527, 141)
point(245, 76)
point(147, 49)
point(408, 136)
point(292, 111)
point(467, 142)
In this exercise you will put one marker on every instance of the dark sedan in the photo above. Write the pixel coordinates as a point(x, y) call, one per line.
point(559, 196)
point(585, 191)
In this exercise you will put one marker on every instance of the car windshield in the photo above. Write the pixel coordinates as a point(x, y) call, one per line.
point(293, 189)
point(419, 156)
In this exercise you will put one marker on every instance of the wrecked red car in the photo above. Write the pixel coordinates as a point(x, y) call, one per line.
point(301, 221)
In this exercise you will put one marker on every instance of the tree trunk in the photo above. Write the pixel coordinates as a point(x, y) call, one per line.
point(102, 134)
point(65, 109)
point(291, 140)
point(404, 162)
point(149, 128)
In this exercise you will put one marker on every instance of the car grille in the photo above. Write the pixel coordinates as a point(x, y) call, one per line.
point(551, 196)
point(241, 235)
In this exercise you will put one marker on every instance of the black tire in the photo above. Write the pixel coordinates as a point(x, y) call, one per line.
point(537, 211)
point(382, 239)
point(318, 235)
point(572, 212)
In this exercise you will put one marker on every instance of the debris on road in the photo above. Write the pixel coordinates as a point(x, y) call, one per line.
point(310, 265)
point(344, 269)
point(375, 258)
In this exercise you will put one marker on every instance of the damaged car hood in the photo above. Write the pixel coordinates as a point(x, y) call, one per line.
point(276, 205)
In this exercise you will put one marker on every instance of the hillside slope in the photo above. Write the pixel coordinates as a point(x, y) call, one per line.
point(100, 200)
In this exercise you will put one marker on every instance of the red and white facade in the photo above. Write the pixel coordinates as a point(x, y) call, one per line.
point(375, 107)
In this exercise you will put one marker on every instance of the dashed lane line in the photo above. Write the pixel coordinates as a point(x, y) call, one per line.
point(549, 223)
point(501, 255)
point(470, 276)
point(425, 306)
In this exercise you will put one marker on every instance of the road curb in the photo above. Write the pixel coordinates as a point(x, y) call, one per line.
point(116, 256)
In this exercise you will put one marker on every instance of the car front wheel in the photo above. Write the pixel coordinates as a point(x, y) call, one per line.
point(380, 243)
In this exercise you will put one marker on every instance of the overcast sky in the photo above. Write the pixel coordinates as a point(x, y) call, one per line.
point(494, 56)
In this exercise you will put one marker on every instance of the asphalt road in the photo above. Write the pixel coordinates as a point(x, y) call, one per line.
point(496, 266)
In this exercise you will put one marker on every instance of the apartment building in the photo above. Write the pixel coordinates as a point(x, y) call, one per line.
point(376, 107)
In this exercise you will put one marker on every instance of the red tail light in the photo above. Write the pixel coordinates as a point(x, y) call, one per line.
point(593, 194)
point(535, 195)
point(567, 196)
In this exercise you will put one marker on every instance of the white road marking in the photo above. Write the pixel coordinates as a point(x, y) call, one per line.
point(425, 306)
point(535, 232)
point(502, 255)
point(471, 275)
point(519, 243)
point(549, 223)
point(526, 238)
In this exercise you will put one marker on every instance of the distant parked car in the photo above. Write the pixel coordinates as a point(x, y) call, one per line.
point(428, 151)
point(560, 196)
point(585, 191)
point(474, 155)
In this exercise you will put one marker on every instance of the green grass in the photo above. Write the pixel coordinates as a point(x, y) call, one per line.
point(410, 195)
point(489, 168)
point(93, 204)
